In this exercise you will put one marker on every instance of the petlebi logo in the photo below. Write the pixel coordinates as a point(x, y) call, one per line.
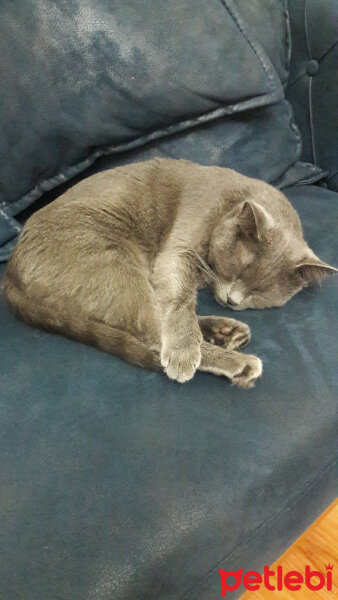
point(277, 580)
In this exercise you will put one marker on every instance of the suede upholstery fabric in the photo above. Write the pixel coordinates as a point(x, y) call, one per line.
point(313, 85)
point(118, 73)
point(117, 483)
point(82, 79)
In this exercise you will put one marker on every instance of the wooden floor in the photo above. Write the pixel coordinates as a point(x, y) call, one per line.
point(317, 547)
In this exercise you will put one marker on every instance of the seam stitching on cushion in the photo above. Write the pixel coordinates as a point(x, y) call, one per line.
point(332, 175)
point(326, 52)
point(288, 41)
point(296, 132)
point(10, 221)
point(306, 31)
point(309, 484)
point(156, 134)
point(310, 80)
point(240, 25)
point(297, 79)
point(311, 122)
point(314, 179)
point(310, 179)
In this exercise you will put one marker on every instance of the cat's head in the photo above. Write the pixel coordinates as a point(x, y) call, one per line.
point(259, 256)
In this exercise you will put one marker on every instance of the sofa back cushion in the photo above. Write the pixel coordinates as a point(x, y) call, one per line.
point(135, 79)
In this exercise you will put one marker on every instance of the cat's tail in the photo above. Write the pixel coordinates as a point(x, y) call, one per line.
point(80, 328)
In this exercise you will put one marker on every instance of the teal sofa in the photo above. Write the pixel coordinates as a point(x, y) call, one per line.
point(117, 483)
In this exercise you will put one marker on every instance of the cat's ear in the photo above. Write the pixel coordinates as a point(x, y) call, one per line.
point(313, 270)
point(254, 221)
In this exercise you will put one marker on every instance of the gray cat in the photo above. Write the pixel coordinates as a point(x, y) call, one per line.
point(117, 260)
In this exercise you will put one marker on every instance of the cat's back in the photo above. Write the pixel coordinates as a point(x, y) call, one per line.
point(139, 200)
point(135, 190)
point(133, 201)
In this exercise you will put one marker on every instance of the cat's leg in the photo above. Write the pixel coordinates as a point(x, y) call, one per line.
point(222, 331)
point(120, 343)
point(174, 278)
point(102, 298)
point(242, 369)
point(140, 348)
point(133, 318)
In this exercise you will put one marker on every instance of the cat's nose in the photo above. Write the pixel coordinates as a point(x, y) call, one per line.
point(231, 301)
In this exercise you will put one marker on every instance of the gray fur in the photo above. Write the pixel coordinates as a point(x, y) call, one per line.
point(116, 262)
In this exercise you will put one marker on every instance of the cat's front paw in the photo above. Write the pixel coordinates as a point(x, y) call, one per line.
point(248, 369)
point(222, 331)
point(180, 363)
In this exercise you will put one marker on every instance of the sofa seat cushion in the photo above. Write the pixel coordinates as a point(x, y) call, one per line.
point(119, 483)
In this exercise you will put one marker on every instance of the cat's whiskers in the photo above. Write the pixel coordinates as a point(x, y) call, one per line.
point(203, 265)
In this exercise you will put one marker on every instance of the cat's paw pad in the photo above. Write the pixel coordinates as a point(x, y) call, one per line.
point(228, 333)
point(251, 368)
point(181, 363)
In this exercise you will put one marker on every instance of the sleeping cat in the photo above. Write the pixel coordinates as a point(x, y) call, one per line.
point(117, 260)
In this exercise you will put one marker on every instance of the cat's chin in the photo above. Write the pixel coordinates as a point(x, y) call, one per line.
point(232, 306)
point(220, 301)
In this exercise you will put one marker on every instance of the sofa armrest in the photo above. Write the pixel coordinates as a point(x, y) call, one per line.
point(312, 88)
